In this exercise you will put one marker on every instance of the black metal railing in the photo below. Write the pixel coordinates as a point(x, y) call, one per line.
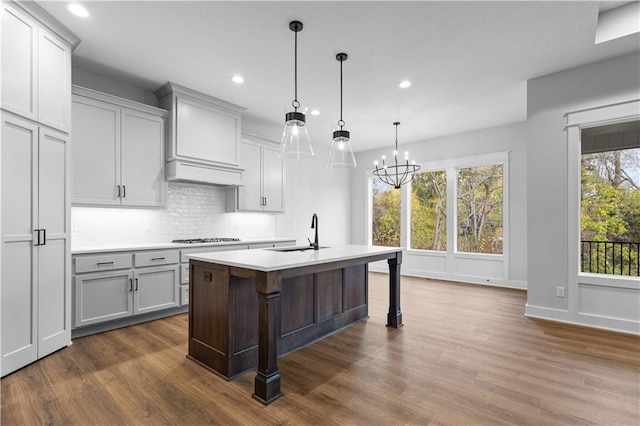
point(610, 257)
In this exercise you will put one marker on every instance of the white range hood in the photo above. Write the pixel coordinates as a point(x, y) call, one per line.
point(204, 137)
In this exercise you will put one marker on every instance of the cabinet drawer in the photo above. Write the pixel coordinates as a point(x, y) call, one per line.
point(156, 258)
point(103, 262)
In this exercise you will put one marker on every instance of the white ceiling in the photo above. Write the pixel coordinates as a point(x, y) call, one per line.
point(468, 61)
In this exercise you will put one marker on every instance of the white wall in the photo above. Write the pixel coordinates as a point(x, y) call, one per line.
point(510, 138)
point(312, 188)
point(549, 99)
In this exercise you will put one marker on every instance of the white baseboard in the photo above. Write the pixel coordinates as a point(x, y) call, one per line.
point(586, 320)
point(520, 285)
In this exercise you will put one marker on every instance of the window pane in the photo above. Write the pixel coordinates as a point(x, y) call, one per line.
point(480, 209)
point(385, 215)
point(429, 211)
point(610, 212)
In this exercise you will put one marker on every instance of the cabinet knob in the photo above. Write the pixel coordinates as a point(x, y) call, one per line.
point(208, 276)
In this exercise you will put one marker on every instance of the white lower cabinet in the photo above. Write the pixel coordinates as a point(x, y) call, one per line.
point(103, 296)
point(156, 289)
point(102, 292)
point(119, 285)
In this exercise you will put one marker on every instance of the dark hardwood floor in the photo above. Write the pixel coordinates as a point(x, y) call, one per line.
point(466, 355)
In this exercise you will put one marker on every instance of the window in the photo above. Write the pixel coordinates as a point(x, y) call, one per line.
point(610, 208)
point(479, 209)
point(429, 211)
point(385, 217)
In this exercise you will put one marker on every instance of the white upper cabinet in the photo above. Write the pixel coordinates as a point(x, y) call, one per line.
point(19, 35)
point(272, 179)
point(54, 81)
point(118, 151)
point(36, 70)
point(263, 189)
point(204, 137)
point(96, 152)
point(143, 137)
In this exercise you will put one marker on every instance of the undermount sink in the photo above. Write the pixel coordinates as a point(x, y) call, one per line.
point(296, 248)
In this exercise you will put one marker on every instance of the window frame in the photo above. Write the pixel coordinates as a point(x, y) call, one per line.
point(456, 264)
point(452, 167)
point(576, 121)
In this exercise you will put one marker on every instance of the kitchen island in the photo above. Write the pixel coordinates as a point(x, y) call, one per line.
point(247, 308)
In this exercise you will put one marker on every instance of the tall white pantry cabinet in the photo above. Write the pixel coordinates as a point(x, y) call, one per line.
point(35, 290)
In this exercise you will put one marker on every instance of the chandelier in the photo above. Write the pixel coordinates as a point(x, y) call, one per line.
point(396, 175)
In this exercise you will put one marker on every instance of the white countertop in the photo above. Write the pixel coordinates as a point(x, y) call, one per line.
point(101, 248)
point(267, 260)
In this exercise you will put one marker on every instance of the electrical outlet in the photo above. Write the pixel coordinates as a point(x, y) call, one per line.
point(560, 291)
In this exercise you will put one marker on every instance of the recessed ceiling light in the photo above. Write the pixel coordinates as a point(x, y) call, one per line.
point(404, 84)
point(78, 10)
point(238, 79)
point(315, 112)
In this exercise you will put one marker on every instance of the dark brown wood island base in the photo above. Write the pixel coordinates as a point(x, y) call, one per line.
point(243, 317)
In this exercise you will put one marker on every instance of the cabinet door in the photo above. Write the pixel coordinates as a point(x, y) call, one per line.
point(54, 81)
point(54, 276)
point(156, 289)
point(273, 183)
point(250, 195)
point(18, 286)
point(19, 49)
point(142, 159)
point(103, 297)
point(96, 152)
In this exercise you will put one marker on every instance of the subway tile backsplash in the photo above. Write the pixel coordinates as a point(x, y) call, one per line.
point(192, 211)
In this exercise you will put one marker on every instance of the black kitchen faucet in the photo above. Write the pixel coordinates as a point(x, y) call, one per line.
point(314, 224)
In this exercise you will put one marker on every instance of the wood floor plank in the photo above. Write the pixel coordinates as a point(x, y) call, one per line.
point(466, 355)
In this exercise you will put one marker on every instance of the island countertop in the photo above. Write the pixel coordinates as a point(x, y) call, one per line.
point(267, 260)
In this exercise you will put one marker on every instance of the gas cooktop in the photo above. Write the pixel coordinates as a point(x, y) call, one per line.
point(205, 240)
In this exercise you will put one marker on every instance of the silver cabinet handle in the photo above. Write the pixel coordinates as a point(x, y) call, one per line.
point(157, 258)
point(104, 263)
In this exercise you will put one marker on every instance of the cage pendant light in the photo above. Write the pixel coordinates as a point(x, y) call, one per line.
point(341, 154)
point(295, 139)
point(396, 174)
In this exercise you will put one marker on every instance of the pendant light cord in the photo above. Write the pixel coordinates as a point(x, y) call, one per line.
point(295, 102)
point(341, 122)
